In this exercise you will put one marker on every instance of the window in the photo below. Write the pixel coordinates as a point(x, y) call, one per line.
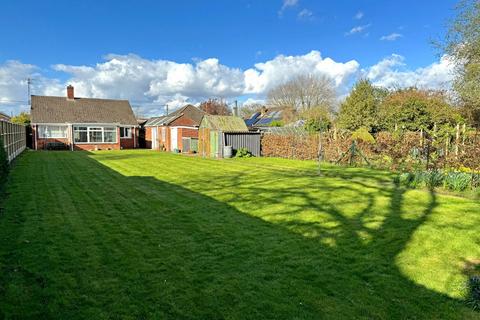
point(94, 134)
point(125, 133)
point(52, 131)
point(110, 134)
point(80, 134)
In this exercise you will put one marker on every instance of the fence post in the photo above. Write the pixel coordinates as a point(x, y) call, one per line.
point(457, 139)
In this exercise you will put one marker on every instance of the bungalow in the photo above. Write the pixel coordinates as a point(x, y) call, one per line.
point(177, 131)
point(82, 123)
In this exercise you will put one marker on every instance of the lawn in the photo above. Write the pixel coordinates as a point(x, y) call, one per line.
point(141, 235)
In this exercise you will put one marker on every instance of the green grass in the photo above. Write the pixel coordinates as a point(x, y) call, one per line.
point(141, 235)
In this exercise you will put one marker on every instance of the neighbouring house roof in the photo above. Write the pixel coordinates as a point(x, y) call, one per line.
point(47, 109)
point(188, 111)
point(224, 123)
point(4, 117)
point(265, 119)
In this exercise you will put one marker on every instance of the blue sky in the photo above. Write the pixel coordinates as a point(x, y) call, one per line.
point(239, 34)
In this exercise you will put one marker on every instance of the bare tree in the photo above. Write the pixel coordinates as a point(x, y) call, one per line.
point(249, 109)
point(215, 107)
point(303, 93)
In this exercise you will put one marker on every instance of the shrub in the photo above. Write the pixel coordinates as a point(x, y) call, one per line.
point(457, 181)
point(405, 179)
point(433, 179)
point(473, 292)
point(362, 134)
point(418, 179)
point(243, 153)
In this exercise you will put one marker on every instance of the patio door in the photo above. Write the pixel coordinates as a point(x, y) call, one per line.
point(154, 138)
point(173, 138)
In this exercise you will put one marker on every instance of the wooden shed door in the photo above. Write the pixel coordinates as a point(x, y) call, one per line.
point(213, 143)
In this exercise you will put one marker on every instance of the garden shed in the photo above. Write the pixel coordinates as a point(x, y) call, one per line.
point(216, 132)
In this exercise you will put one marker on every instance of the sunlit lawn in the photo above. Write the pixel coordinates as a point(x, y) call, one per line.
point(141, 235)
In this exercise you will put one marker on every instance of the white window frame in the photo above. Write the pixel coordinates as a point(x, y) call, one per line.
point(95, 128)
point(45, 133)
point(129, 136)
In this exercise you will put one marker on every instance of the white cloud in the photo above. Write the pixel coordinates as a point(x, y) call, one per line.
point(264, 76)
point(305, 14)
point(13, 85)
point(287, 4)
point(391, 73)
point(391, 37)
point(357, 29)
point(150, 84)
point(359, 15)
point(250, 101)
point(141, 80)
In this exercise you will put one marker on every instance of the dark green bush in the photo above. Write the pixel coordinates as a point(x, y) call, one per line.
point(405, 179)
point(433, 178)
point(418, 179)
point(473, 292)
point(457, 181)
point(243, 153)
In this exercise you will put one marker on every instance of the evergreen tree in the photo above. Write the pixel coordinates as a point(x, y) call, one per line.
point(360, 109)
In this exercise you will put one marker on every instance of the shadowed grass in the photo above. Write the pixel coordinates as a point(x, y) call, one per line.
point(140, 234)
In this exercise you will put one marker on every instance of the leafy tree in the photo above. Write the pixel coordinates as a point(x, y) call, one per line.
point(360, 109)
point(22, 118)
point(317, 119)
point(462, 45)
point(215, 107)
point(413, 109)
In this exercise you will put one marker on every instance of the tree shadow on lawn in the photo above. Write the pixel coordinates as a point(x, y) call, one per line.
point(104, 245)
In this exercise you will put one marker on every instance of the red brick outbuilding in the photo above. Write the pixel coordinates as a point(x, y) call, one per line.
point(177, 131)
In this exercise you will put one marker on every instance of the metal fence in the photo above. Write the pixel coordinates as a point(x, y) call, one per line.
point(248, 140)
point(14, 138)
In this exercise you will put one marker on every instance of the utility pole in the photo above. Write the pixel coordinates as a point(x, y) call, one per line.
point(29, 83)
point(166, 106)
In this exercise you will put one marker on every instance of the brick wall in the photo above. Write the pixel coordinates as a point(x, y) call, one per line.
point(129, 143)
point(98, 146)
point(183, 121)
point(148, 137)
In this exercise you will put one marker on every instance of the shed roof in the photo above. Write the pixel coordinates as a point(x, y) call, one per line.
point(224, 123)
point(189, 111)
point(46, 109)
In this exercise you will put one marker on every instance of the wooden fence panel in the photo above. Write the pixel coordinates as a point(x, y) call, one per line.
point(14, 138)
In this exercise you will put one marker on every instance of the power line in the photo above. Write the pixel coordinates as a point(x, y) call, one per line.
point(12, 101)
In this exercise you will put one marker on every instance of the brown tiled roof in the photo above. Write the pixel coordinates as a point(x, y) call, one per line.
point(81, 110)
point(188, 111)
